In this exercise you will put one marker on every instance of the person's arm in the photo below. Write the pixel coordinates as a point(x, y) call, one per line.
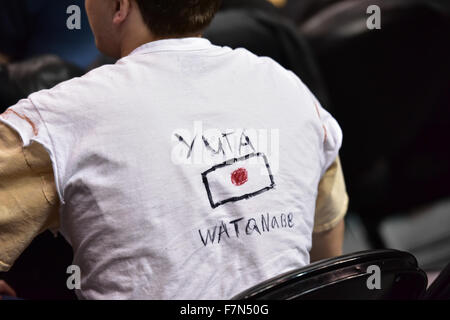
point(6, 290)
point(28, 198)
point(328, 244)
point(331, 208)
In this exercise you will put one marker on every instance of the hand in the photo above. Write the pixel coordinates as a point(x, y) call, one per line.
point(6, 290)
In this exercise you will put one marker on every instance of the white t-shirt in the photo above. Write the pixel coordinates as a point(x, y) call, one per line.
point(185, 170)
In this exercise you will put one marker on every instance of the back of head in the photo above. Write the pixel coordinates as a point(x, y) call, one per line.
point(120, 26)
point(175, 18)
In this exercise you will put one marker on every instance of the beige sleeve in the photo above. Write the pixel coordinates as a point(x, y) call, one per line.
point(28, 199)
point(332, 199)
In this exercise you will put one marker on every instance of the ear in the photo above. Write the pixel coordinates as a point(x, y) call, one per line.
point(122, 10)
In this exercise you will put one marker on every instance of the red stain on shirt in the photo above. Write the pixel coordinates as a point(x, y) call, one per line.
point(23, 117)
point(239, 177)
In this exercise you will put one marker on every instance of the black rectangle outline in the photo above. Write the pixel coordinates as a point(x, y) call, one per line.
point(230, 163)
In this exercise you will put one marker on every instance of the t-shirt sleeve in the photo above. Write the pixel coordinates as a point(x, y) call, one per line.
point(26, 120)
point(28, 200)
point(331, 131)
point(332, 198)
point(332, 135)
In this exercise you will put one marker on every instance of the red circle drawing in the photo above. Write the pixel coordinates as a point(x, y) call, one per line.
point(239, 177)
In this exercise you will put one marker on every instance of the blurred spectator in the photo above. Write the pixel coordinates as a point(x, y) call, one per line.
point(301, 10)
point(264, 5)
point(18, 80)
point(34, 27)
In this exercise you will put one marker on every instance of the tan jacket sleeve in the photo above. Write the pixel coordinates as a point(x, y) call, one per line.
point(332, 200)
point(28, 199)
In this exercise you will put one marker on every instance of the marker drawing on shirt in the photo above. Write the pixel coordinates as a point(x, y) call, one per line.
point(239, 177)
point(246, 174)
point(246, 227)
point(221, 191)
point(244, 141)
point(190, 147)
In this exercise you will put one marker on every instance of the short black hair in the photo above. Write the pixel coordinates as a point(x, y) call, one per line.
point(170, 18)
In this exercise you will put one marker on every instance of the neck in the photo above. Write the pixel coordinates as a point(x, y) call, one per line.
point(133, 42)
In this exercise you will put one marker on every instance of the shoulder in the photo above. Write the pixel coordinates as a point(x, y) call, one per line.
point(263, 66)
point(83, 90)
point(93, 77)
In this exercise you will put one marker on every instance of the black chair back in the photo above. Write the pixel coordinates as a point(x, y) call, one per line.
point(347, 278)
point(440, 288)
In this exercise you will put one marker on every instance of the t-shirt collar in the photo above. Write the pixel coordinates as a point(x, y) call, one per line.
point(179, 44)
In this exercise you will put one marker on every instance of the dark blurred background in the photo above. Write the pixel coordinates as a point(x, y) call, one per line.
point(388, 88)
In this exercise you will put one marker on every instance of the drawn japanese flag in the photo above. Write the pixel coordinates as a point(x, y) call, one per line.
point(238, 179)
